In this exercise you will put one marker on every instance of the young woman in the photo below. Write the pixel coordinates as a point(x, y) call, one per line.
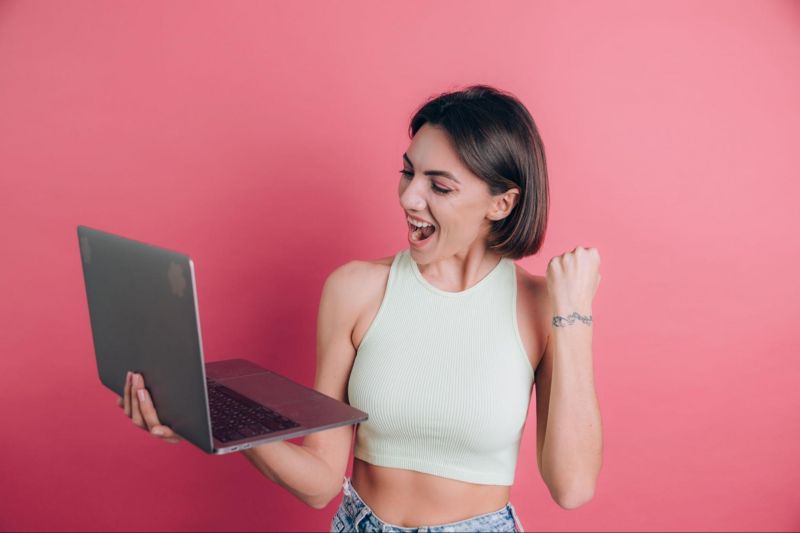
point(442, 343)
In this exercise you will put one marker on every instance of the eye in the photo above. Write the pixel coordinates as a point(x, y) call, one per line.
point(438, 190)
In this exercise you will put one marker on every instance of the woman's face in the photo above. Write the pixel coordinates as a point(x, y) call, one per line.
point(461, 209)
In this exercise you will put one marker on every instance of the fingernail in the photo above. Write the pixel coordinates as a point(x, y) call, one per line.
point(141, 394)
point(158, 431)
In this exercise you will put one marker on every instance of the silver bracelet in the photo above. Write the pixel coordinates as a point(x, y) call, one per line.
point(560, 320)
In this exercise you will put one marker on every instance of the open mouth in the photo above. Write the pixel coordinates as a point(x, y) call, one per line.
point(420, 234)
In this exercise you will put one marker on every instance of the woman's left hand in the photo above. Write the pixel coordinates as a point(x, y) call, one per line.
point(572, 280)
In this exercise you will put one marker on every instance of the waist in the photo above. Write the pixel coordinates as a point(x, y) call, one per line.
point(410, 499)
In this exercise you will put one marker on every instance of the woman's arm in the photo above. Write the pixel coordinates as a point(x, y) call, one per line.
point(571, 435)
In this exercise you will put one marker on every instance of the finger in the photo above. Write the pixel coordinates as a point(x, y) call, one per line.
point(166, 433)
point(148, 409)
point(136, 414)
point(127, 396)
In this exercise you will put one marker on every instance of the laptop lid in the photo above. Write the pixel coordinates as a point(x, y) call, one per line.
point(143, 312)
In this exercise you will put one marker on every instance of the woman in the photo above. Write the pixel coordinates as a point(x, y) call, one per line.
point(441, 343)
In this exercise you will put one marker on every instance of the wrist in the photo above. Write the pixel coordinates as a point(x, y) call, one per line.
point(570, 316)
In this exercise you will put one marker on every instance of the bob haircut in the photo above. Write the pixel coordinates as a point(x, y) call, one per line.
point(496, 138)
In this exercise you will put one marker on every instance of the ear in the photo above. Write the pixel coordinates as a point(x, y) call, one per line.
point(502, 204)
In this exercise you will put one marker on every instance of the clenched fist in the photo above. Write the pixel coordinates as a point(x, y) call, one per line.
point(572, 281)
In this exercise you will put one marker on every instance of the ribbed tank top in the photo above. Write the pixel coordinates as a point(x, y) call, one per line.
point(444, 377)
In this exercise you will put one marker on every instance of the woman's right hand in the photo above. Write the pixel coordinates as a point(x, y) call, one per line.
point(139, 408)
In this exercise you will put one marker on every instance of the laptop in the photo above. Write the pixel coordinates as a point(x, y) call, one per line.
point(144, 318)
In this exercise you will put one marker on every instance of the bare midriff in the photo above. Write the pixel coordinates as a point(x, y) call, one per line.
point(408, 498)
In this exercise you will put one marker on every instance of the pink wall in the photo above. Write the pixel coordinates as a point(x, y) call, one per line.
point(264, 139)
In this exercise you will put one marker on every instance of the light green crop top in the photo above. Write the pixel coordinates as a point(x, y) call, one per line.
point(444, 377)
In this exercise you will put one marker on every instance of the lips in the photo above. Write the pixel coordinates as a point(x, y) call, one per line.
point(419, 219)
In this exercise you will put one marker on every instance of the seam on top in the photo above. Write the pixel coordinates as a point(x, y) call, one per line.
point(389, 283)
point(516, 328)
point(428, 285)
point(388, 459)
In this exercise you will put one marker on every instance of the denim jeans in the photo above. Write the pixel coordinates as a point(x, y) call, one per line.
point(355, 515)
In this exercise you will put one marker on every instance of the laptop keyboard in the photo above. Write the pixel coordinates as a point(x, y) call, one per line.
point(234, 416)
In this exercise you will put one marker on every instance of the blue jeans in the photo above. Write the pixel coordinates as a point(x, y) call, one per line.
point(355, 515)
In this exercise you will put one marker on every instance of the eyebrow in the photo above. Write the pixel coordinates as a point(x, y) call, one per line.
point(442, 173)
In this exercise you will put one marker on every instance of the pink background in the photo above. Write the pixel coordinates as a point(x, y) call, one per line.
point(264, 139)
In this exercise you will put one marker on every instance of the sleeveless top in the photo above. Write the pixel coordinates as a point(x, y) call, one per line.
point(444, 377)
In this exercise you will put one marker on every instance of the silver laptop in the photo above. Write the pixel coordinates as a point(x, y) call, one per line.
point(144, 318)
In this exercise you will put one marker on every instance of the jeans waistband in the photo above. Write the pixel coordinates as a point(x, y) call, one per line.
point(358, 509)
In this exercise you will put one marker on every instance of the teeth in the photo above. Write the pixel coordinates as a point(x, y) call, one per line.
point(418, 224)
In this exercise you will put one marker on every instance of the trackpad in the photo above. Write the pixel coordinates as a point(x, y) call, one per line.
point(230, 368)
point(272, 390)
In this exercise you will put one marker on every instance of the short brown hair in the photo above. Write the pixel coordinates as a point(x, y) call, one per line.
point(496, 138)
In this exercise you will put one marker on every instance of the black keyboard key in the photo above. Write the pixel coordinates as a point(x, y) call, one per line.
point(247, 431)
point(259, 429)
point(235, 435)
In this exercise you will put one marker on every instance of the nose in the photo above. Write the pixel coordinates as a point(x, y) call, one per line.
point(412, 198)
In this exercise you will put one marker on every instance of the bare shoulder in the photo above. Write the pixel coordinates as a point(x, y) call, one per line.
point(346, 292)
point(361, 285)
point(358, 272)
point(370, 280)
point(353, 272)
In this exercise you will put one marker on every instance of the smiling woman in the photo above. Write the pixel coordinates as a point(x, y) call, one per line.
point(496, 144)
point(440, 364)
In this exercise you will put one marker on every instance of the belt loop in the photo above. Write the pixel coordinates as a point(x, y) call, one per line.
point(360, 518)
point(517, 521)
